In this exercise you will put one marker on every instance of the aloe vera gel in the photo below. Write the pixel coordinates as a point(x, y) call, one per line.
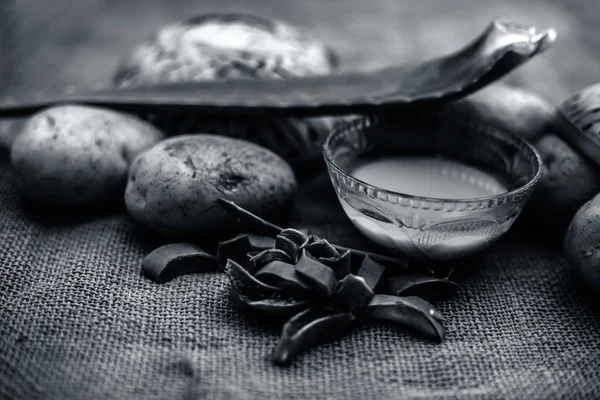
point(428, 177)
point(425, 177)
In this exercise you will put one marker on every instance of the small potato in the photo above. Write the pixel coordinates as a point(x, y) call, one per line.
point(520, 111)
point(569, 180)
point(582, 244)
point(174, 186)
point(77, 156)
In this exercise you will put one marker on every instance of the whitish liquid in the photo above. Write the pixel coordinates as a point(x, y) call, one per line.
point(428, 177)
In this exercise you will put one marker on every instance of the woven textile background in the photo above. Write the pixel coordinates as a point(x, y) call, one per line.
point(78, 321)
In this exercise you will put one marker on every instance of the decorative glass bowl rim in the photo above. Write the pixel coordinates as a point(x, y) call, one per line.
point(363, 122)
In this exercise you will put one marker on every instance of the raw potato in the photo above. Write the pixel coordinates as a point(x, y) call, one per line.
point(222, 46)
point(520, 111)
point(569, 180)
point(582, 244)
point(173, 187)
point(77, 156)
point(8, 131)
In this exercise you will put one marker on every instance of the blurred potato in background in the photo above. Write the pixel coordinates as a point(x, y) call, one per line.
point(8, 46)
point(53, 45)
point(80, 43)
point(7, 20)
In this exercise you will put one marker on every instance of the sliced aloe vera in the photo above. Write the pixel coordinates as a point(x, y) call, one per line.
point(237, 248)
point(352, 292)
point(283, 275)
point(267, 256)
point(245, 284)
point(292, 241)
point(412, 312)
point(321, 248)
point(308, 328)
point(371, 271)
point(172, 260)
point(340, 265)
point(424, 286)
point(320, 277)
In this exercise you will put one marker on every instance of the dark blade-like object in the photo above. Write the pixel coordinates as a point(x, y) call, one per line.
point(502, 47)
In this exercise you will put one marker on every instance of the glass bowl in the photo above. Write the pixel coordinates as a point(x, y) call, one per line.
point(429, 228)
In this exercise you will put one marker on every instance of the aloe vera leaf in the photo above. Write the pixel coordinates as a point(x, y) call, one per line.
point(292, 241)
point(172, 260)
point(371, 271)
point(260, 242)
point(420, 285)
point(283, 275)
point(247, 285)
point(352, 292)
point(312, 237)
point(245, 217)
point(322, 249)
point(260, 225)
point(235, 249)
point(500, 48)
point(321, 277)
point(413, 312)
point(267, 256)
point(308, 328)
point(259, 299)
point(242, 245)
point(270, 308)
point(341, 265)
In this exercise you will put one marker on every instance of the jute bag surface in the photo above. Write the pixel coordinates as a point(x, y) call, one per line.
point(78, 321)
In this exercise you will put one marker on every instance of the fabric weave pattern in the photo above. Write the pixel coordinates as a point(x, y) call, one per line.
point(77, 320)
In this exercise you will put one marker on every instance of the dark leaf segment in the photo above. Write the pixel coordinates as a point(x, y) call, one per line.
point(255, 224)
point(176, 259)
point(306, 282)
point(310, 327)
point(500, 48)
point(321, 301)
point(412, 312)
point(409, 284)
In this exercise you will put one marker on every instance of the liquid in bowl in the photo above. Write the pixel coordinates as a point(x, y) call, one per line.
point(424, 176)
point(444, 196)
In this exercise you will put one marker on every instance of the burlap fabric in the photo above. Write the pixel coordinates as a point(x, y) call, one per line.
point(77, 320)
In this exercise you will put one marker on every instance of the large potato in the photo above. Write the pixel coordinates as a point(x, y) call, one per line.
point(223, 46)
point(173, 187)
point(582, 244)
point(517, 110)
point(77, 156)
point(569, 180)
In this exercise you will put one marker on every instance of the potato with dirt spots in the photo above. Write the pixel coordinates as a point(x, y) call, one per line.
point(582, 244)
point(77, 156)
point(173, 187)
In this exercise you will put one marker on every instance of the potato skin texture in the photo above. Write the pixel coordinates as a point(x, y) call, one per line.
point(569, 180)
point(174, 186)
point(518, 110)
point(582, 244)
point(192, 50)
point(77, 156)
